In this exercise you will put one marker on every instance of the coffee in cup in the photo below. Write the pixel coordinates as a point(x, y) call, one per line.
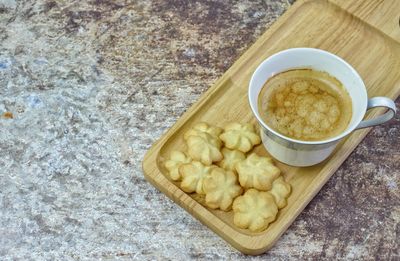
point(305, 104)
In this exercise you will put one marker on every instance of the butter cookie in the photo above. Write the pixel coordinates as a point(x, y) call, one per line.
point(193, 175)
point(221, 187)
point(231, 157)
point(257, 172)
point(177, 159)
point(240, 136)
point(254, 210)
point(281, 191)
point(204, 147)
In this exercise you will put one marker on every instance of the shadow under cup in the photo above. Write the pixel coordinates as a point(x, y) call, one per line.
point(306, 153)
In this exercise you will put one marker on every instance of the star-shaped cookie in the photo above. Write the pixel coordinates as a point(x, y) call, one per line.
point(193, 175)
point(221, 187)
point(257, 172)
point(240, 136)
point(203, 127)
point(204, 147)
point(254, 210)
point(231, 157)
point(281, 191)
point(177, 159)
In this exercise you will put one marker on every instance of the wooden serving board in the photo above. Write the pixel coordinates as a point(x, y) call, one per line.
point(355, 31)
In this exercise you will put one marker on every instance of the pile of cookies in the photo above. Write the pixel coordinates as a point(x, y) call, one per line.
point(218, 165)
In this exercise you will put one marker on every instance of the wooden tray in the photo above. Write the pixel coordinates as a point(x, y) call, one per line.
point(320, 24)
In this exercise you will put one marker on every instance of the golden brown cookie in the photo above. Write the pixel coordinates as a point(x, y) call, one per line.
point(231, 157)
point(193, 175)
point(240, 136)
point(281, 191)
point(221, 187)
point(257, 172)
point(177, 159)
point(204, 147)
point(203, 127)
point(254, 210)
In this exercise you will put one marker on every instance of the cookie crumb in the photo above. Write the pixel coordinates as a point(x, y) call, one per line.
point(8, 115)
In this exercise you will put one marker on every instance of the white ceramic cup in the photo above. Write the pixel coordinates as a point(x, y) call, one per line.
point(306, 153)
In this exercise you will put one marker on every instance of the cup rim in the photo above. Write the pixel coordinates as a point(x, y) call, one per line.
point(307, 49)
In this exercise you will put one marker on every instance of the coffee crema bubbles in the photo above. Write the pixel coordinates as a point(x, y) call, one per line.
point(305, 104)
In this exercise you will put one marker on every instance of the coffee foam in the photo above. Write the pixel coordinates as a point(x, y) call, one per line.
point(305, 104)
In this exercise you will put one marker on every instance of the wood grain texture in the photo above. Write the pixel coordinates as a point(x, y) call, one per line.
point(381, 14)
point(319, 24)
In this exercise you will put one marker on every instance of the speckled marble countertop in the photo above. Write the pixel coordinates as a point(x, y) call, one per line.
point(92, 84)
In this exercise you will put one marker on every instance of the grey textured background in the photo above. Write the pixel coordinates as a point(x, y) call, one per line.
point(92, 84)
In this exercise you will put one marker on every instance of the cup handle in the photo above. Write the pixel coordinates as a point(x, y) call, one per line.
point(379, 102)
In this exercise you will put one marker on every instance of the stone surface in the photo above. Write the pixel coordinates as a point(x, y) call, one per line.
point(90, 85)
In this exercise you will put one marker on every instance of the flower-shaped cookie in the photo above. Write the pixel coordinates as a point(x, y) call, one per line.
point(257, 172)
point(221, 187)
point(204, 147)
point(203, 127)
point(240, 136)
point(254, 210)
point(193, 175)
point(177, 159)
point(231, 157)
point(281, 191)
